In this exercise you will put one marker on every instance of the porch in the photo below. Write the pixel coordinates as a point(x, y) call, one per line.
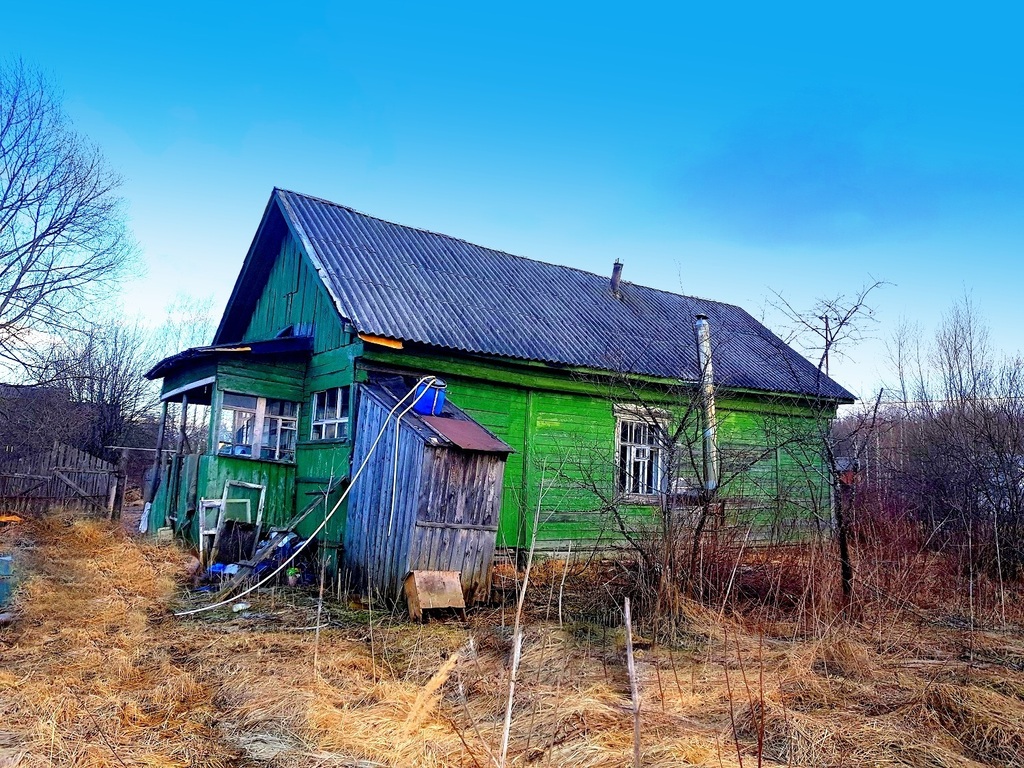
point(231, 437)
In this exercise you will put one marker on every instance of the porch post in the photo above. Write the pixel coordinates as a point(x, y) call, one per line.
point(174, 490)
point(158, 458)
point(151, 489)
point(182, 437)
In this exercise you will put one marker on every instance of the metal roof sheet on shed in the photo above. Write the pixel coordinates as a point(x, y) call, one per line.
point(404, 283)
point(467, 434)
point(454, 427)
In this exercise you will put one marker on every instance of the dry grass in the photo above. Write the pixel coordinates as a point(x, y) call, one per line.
point(96, 672)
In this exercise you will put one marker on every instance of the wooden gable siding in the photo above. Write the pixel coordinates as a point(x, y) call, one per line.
point(294, 294)
point(563, 430)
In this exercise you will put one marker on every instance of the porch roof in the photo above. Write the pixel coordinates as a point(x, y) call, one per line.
point(196, 357)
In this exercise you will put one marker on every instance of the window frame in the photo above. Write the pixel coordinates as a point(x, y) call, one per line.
point(653, 419)
point(260, 420)
point(337, 421)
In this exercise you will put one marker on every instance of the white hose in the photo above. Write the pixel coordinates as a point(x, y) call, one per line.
point(394, 478)
point(322, 525)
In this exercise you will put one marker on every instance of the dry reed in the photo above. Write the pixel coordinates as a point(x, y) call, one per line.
point(96, 672)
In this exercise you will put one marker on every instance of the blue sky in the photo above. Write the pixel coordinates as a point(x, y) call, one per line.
point(719, 149)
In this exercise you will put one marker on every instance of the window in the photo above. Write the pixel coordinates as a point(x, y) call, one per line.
point(237, 424)
point(280, 428)
point(330, 414)
point(257, 426)
point(640, 454)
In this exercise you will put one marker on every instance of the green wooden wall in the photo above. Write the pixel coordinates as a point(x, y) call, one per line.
point(295, 295)
point(277, 477)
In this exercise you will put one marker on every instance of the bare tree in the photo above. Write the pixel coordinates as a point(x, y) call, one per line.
point(659, 495)
point(825, 331)
point(102, 369)
point(188, 322)
point(32, 417)
point(63, 239)
point(961, 449)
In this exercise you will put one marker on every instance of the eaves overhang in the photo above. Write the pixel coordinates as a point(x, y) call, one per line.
point(284, 347)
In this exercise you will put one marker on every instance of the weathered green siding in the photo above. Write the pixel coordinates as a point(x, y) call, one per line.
point(562, 426)
point(204, 477)
point(295, 294)
point(188, 376)
point(278, 477)
point(318, 462)
point(571, 457)
point(281, 380)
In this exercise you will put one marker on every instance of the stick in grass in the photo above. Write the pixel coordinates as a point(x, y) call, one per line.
point(634, 693)
point(517, 635)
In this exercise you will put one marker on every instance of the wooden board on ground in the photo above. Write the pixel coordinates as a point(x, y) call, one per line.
point(425, 590)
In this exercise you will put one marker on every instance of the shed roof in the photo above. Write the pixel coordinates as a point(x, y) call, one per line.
point(453, 428)
point(410, 284)
point(466, 434)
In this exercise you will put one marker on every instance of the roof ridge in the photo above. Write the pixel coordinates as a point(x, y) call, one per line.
point(588, 272)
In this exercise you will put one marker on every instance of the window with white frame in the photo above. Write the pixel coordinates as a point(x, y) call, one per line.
point(280, 428)
point(258, 427)
point(640, 454)
point(330, 414)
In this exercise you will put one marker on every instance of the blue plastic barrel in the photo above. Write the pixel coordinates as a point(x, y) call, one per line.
point(429, 398)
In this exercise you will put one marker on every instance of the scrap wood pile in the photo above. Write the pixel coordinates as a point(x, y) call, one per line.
point(98, 672)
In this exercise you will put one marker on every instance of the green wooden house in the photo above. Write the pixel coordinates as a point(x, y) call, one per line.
point(584, 376)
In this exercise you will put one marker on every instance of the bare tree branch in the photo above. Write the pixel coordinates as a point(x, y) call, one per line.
point(63, 239)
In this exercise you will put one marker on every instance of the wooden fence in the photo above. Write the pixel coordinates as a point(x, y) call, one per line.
point(61, 477)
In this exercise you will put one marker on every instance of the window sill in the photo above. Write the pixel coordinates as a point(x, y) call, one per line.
point(641, 499)
point(317, 443)
point(286, 462)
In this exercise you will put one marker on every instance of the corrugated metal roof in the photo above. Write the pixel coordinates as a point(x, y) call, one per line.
point(418, 286)
point(467, 434)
